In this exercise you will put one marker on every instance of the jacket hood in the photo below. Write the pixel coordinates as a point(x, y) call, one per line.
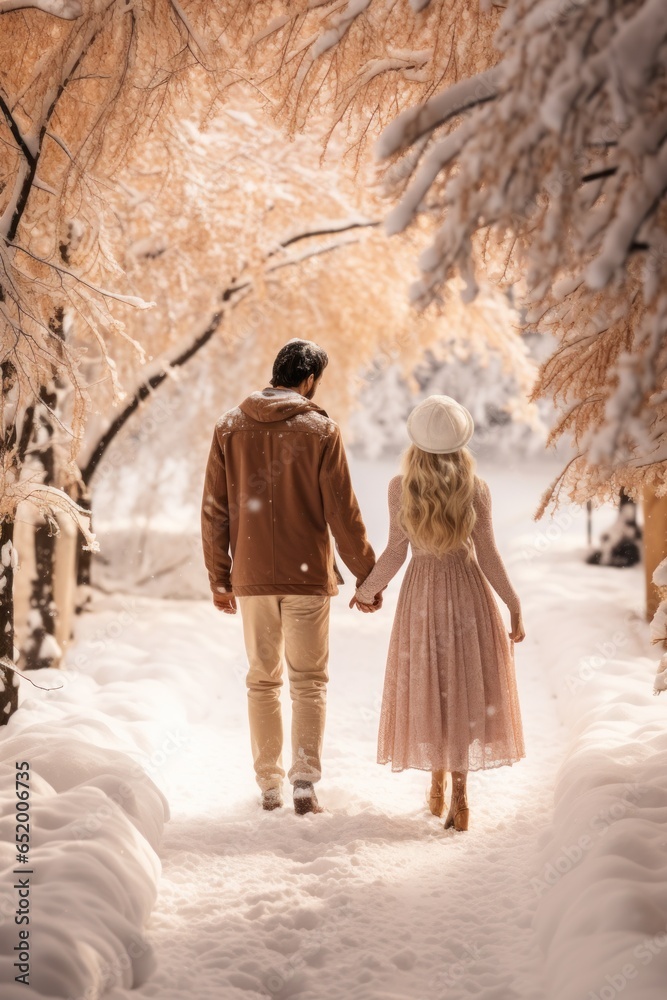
point(271, 405)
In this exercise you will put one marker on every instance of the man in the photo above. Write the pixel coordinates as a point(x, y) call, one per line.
point(277, 486)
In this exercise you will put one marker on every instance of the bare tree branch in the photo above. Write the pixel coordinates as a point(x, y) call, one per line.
point(15, 130)
point(48, 109)
point(227, 297)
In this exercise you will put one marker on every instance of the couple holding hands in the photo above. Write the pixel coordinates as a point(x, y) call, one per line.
point(277, 487)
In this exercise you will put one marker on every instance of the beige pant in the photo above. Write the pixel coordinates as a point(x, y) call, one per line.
point(298, 626)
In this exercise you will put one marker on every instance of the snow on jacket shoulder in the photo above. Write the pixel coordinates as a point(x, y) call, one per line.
point(276, 480)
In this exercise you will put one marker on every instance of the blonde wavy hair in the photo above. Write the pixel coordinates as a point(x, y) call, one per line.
point(436, 505)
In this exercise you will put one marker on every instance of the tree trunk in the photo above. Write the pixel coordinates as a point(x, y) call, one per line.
point(655, 544)
point(13, 447)
point(41, 648)
point(9, 694)
point(84, 559)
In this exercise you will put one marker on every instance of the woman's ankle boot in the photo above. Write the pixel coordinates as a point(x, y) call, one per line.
point(436, 796)
point(459, 812)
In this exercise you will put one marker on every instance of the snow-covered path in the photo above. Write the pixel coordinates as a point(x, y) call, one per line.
point(371, 899)
point(556, 892)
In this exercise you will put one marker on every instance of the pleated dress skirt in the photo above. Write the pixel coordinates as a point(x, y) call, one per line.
point(450, 699)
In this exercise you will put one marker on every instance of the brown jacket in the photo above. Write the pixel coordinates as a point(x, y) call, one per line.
point(276, 476)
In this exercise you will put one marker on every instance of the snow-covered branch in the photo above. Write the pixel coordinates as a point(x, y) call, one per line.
point(416, 122)
point(68, 10)
point(196, 36)
point(340, 26)
point(48, 500)
point(31, 143)
point(131, 300)
point(555, 162)
point(357, 63)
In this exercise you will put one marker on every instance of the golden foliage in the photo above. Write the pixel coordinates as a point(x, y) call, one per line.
point(75, 95)
point(355, 66)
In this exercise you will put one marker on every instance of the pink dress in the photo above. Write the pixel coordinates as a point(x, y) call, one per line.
point(450, 699)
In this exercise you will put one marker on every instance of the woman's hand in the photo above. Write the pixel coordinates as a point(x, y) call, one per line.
point(518, 633)
point(368, 608)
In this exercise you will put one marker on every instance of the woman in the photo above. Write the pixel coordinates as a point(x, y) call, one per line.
point(450, 699)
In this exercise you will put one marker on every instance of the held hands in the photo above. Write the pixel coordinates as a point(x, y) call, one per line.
point(517, 634)
point(368, 608)
point(225, 602)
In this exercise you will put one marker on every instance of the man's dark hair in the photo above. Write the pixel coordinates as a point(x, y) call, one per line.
point(296, 361)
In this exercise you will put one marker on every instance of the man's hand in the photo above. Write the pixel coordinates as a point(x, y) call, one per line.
point(368, 608)
point(225, 602)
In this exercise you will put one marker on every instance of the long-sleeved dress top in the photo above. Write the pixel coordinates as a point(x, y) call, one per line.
point(450, 699)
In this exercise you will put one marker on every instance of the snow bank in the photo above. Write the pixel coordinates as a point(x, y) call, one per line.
point(602, 875)
point(96, 820)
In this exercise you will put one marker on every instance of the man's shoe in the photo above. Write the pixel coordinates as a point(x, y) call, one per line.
point(305, 799)
point(272, 798)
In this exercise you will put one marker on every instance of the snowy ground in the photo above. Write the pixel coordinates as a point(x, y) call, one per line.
point(373, 900)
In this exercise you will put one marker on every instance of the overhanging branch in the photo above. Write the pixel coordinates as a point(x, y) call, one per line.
point(15, 130)
point(66, 10)
point(227, 298)
point(47, 114)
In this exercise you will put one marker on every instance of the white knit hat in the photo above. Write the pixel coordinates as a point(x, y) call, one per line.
point(440, 425)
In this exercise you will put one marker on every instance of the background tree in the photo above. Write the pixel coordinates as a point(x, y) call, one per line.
point(78, 83)
point(75, 230)
point(330, 276)
point(195, 218)
point(544, 162)
point(355, 65)
point(543, 165)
